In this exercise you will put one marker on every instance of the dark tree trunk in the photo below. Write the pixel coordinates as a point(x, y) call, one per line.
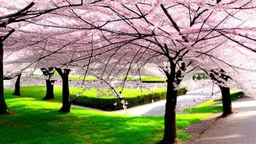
point(66, 103)
point(226, 101)
point(3, 106)
point(49, 89)
point(170, 135)
point(17, 86)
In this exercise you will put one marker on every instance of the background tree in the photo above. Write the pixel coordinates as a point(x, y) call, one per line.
point(220, 77)
point(12, 15)
point(48, 73)
point(17, 85)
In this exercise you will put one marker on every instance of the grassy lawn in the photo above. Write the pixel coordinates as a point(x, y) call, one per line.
point(79, 77)
point(36, 121)
point(205, 107)
point(145, 79)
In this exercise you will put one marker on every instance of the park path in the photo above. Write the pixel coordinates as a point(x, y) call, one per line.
point(191, 99)
point(238, 128)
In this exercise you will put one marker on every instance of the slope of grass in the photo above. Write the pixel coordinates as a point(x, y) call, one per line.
point(36, 121)
point(206, 107)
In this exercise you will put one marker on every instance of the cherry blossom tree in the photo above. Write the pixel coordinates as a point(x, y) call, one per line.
point(121, 35)
point(220, 78)
point(172, 34)
point(13, 13)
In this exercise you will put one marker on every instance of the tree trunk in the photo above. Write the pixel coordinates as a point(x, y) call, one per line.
point(49, 89)
point(170, 135)
point(3, 106)
point(17, 86)
point(226, 101)
point(66, 103)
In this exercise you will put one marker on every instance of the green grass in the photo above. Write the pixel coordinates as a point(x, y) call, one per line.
point(80, 77)
point(37, 75)
point(152, 78)
point(206, 107)
point(145, 79)
point(36, 121)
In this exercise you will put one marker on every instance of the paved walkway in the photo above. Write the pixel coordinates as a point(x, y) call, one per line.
point(239, 128)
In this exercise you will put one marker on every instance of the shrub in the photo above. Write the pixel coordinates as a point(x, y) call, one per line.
point(107, 102)
point(198, 77)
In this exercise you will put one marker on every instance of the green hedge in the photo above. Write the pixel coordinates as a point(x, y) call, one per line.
point(107, 103)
